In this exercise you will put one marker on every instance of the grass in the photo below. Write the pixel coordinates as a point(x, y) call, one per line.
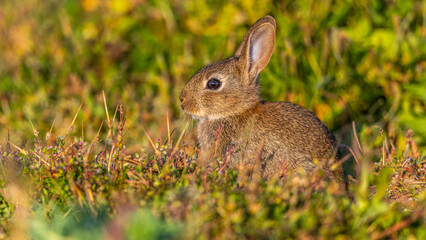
point(77, 189)
point(346, 61)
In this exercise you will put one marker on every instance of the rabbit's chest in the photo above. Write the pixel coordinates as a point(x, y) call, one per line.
point(226, 138)
point(220, 137)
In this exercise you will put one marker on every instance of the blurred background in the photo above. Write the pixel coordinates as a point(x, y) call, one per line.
point(361, 61)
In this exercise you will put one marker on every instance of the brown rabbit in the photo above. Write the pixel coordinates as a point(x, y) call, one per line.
point(224, 97)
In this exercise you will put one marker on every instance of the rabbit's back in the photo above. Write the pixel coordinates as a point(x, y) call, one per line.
point(295, 126)
point(294, 135)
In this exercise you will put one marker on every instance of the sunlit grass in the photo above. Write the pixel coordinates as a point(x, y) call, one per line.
point(82, 189)
point(346, 61)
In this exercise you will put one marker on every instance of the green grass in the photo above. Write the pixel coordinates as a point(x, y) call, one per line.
point(346, 61)
point(78, 176)
point(78, 190)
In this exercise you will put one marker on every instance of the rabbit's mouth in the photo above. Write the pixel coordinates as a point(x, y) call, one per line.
point(195, 115)
point(187, 109)
point(202, 116)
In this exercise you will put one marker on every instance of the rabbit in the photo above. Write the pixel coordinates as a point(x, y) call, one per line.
point(237, 125)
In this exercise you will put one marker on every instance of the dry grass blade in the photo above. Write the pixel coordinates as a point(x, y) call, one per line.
point(130, 160)
point(387, 150)
point(66, 214)
point(168, 127)
point(31, 122)
point(410, 142)
point(115, 113)
point(352, 152)
point(40, 158)
point(180, 137)
point(356, 136)
point(89, 151)
point(110, 157)
point(89, 194)
point(99, 131)
point(8, 142)
point(19, 149)
point(383, 153)
point(49, 134)
point(151, 142)
point(73, 121)
point(75, 190)
point(106, 109)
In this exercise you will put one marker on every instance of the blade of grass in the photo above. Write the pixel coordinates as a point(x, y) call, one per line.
point(31, 122)
point(110, 157)
point(180, 138)
point(90, 150)
point(70, 128)
point(115, 113)
point(8, 142)
point(356, 136)
point(151, 142)
point(41, 159)
point(168, 127)
point(106, 109)
point(352, 152)
point(49, 134)
point(19, 149)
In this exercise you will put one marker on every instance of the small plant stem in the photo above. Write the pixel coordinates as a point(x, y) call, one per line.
point(356, 136)
point(180, 137)
point(151, 142)
point(168, 127)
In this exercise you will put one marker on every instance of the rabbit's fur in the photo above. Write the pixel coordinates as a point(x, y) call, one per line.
point(237, 125)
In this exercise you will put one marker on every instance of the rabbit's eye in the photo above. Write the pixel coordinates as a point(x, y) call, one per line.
point(213, 84)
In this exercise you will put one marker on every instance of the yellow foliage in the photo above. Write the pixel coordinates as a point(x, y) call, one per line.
point(89, 30)
point(119, 6)
point(90, 5)
point(21, 38)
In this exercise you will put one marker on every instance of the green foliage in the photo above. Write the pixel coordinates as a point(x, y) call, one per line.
point(81, 223)
point(347, 61)
point(143, 225)
point(78, 223)
point(6, 211)
point(78, 192)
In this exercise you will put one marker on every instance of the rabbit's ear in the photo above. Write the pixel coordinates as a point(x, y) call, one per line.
point(256, 49)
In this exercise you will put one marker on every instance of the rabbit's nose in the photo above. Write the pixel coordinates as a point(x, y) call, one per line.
point(182, 96)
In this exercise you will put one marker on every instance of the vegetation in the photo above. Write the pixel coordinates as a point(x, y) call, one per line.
point(73, 167)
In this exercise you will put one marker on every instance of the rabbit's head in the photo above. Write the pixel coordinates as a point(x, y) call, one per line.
point(230, 86)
